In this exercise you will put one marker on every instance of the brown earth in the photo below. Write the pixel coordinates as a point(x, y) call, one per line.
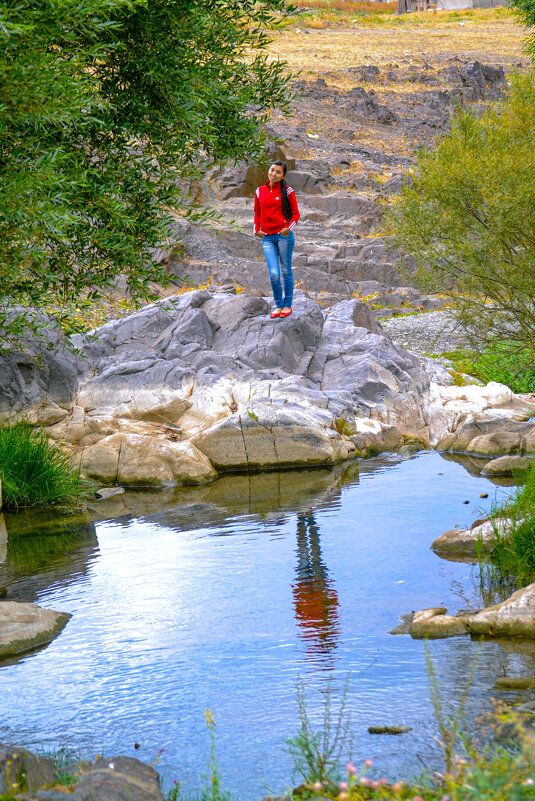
point(368, 97)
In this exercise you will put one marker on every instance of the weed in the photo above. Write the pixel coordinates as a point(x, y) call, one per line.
point(34, 470)
point(214, 791)
point(512, 555)
point(317, 754)
point(342, 425)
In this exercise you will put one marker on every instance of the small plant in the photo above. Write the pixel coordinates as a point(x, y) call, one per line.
point(317, 754)
point(343, 426)
point(449, 726)
point(214, 791)
point(34, 470)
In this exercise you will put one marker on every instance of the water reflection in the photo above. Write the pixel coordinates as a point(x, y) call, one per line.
point(40, 550)
point(314, 594)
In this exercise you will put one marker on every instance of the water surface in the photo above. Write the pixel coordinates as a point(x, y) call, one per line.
point(224, 596)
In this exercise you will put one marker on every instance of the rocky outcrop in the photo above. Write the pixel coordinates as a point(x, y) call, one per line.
point(515, 617)
point(24, 775)
point(207, 380)
point(26, 626)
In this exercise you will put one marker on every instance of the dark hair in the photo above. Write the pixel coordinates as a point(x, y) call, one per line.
point(286, 209)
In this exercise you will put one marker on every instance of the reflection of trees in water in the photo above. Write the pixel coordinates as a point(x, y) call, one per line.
point(315, 598)
point(42, 549)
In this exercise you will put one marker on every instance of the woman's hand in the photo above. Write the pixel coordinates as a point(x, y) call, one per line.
point(285, 232)
point(260, 233)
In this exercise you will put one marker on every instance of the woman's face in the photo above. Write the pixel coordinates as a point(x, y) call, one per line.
point(275, 173)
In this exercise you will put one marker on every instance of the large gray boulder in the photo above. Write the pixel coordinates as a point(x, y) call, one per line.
point(39, 381)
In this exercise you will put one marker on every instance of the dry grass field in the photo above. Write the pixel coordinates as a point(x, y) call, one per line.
point(322, 43)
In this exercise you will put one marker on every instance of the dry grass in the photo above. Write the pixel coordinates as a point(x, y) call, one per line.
point(347, 7)
point(491, 36)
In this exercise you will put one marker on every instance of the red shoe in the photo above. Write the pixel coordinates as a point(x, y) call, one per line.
point(274, 314)
point(285, 314)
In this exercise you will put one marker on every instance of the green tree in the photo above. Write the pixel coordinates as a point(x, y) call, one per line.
point(469, 219)
point(108, 109)
point(525, 10)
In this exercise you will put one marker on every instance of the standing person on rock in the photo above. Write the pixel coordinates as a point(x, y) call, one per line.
point(275, 216)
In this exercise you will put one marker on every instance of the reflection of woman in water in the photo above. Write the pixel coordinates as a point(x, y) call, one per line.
point(315, 599)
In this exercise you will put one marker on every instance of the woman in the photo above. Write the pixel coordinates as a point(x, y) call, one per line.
point(275, 217)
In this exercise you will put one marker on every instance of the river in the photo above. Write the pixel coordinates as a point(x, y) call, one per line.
point(223, 597)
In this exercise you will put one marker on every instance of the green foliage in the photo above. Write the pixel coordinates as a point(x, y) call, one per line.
point(469, 219)
point(525, 10)
point(512, 557)
point(317, 753)
point(34, 470)
point(343, 426)
point(498, 363)
point(109, 109)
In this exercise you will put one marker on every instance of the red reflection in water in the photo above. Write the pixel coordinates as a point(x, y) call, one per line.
point(315, 598)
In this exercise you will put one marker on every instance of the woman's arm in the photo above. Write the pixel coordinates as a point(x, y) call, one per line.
point(294, 219)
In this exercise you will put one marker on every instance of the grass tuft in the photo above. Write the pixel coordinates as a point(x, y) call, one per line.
point(35, 471)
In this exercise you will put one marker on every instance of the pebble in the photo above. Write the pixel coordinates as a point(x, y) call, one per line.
point(429, 332)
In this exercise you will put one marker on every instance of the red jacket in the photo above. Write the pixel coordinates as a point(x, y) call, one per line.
point(268, 209)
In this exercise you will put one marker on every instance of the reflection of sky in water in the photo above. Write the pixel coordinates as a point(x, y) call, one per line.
point(228, 610)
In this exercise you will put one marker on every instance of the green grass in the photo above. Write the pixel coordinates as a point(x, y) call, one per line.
point(34, 470)
point(511, 561)
point(498, 363)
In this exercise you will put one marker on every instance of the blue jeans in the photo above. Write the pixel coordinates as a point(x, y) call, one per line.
point(277, 247)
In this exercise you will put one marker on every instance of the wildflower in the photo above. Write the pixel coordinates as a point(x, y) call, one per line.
point(343, 785)
point(398, 786)
point(528, 782)
point(365, 781)
point(417, 798)
point(317, 786)
point(343, 796)
point(368, 763)
point(351, 768)
point(382, 782)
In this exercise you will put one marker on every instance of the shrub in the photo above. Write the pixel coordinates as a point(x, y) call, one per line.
point(468, 219)
point(34, 470)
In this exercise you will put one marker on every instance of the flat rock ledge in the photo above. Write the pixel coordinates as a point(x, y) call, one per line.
point(27, 777)
point(204, 382)
point(514, 617)
point(25, 626)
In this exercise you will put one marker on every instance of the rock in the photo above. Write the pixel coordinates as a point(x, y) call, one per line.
point(514, 683)
point(434, 623)
point(24, 627)
point(515, 617)
point(22, 771)
point(118, 779)
point(139, 460)
point(506, 466)
point(389, 729)
point(463, 542)
point(40, 381)
point(109, 492)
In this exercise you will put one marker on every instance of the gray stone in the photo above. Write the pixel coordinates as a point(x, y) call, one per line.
point(506, 466)
point(118, 779)
point(515, 617)
point(26, 626)
point(109, 492)
point(20, 770)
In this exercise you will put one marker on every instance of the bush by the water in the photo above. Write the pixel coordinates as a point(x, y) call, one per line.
point(469, 216)
point(34, 470)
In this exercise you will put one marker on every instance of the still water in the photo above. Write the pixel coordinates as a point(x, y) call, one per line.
point(224, 596)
